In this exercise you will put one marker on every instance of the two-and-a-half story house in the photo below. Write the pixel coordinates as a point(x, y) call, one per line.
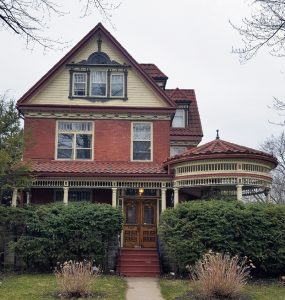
point(104, 128)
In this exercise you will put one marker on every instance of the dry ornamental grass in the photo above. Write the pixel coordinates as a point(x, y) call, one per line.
point(74, 279)
point(219, 276)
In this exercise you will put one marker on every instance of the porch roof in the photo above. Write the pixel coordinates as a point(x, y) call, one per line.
point(52, 167)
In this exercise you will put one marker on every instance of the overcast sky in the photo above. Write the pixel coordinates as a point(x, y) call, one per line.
point(191, 42)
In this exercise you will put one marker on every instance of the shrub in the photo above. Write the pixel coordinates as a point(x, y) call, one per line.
point(253, 230)
point(74, 279)
point(219, 276)
point(78, 231)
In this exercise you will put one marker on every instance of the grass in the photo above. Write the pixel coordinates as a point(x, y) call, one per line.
point(35, 287)
point(171, 289)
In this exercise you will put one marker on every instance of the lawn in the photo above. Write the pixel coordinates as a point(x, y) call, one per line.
point(171, 289)
point(35, 287)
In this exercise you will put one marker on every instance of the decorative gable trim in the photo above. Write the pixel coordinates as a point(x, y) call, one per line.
point(98, 28)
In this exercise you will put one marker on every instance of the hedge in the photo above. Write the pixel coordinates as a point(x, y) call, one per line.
point(56, 233)
point(253, 230)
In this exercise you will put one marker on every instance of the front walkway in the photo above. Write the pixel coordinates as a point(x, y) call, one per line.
point(143, 288)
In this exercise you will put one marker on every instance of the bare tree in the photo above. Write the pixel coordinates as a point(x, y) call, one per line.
point(276, 146)
point(264, 28)
point(30, 18)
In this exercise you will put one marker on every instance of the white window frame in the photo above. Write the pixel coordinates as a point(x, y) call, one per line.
point(90, 89)
point(111, 80)
point(151, 142)
point(184, 120)
point(74, 140)
point(73, 83)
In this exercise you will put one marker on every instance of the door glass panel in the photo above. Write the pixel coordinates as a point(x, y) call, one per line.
point(148, 214)
point(131, 214)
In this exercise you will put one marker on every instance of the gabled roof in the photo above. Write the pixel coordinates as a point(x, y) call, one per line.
point(153, 71)
point(96, 168)
point(98, 28)
point(222, 149)
point(195, 128)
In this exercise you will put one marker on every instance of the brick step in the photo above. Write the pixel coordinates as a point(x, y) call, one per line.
point(140, 257)
point(141, 274)
point(139, 268)
point(134, 255)
point(128, 262)
point(139, 251)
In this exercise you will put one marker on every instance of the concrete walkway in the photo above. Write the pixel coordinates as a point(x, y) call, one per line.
point(143, 288)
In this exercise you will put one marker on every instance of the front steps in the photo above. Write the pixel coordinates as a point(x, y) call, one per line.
point(138, 262)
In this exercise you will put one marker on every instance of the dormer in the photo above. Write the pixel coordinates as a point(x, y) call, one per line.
point(156, 74)
point(98, 77)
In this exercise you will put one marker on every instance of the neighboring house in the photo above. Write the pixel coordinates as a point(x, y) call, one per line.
point(103, 128)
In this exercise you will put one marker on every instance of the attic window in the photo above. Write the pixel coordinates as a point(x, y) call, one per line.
point(179, 120)
point(98, 82)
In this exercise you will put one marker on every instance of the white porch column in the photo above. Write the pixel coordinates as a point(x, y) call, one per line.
point(29, 195)
point(65, 195)
point(14, 197)
point(268, 195)
point(163, 199)
point(239, 192)
point(114, 197)
point(176, 196)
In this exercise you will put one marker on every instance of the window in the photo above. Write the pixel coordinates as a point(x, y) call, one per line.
point(93, 83)
point(99, 83)
point(117, 85)
point(74, 140)
point(179, 119)
point(142, 140)
point(175, 150)
point(80, 80)
point(73, 195)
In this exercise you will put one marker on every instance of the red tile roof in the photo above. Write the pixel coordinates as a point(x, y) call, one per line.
point(153, 71)
point(194, 131)
point(96, 168)
point(219, 148)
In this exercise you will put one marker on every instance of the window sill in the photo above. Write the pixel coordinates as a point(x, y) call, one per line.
point(103, 99)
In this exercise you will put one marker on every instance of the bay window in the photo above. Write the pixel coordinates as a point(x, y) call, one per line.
point(74, 140)
point(142, 141)
point(98, 83)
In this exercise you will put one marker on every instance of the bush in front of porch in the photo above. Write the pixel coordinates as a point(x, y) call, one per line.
point(253, 230)
point(57, 233)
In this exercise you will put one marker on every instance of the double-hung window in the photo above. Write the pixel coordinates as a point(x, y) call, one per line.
point(117, 85)
point(179, 119)
point(80, 83)
point(142, 141)
point(99, 83)
point(74, 140)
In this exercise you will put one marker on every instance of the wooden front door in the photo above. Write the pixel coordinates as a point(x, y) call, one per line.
point(141, 223)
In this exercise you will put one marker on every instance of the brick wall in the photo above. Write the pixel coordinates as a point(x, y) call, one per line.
point(112, 139)
point(40, 138)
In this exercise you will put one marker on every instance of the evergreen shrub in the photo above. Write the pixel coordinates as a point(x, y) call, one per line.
point(57, 233)
point(253, 230)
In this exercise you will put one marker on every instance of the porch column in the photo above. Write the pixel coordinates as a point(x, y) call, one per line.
point(176, 196)
point(163, 199)
point(65, 195)
point(29, 195)
point(267, 194)
point(14, 197)
point(114, 197)
point(239, 192)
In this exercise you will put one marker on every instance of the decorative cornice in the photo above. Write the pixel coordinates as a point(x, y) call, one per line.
point(97, 116)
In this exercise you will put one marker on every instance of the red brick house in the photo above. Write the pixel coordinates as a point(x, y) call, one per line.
point(105, 128)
